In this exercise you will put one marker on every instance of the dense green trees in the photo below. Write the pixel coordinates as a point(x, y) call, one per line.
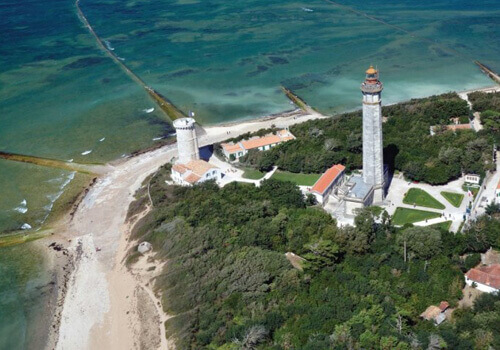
point(488, 104)
point(229, 285)
point(408, 145)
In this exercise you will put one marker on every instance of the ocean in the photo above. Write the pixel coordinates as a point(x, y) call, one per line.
point(62, 97)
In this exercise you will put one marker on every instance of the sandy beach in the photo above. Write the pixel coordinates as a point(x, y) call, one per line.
point(106, 305)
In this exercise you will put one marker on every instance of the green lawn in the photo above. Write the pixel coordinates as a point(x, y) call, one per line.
point(253, 174)
point(445, 225)
point(409, 216)
point(299, 178)
point(474, 190)
point(416, 196)
point(454, 198)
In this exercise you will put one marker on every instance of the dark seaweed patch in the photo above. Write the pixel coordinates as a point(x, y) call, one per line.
point(84, 62)
point(180, 73)
point(260, 69)
point(278, 60)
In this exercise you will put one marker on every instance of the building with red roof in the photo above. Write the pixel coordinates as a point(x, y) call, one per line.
point(236, 150)
point(487, 278)
point(328, 183)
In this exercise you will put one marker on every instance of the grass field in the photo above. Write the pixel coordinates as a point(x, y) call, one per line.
point(416, 196)
point(442, 225)
point(253, 174)
point(298, 178)
point(454, 198)
point(409, 216)
point(474, 190)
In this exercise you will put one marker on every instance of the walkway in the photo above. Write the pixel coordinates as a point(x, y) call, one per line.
point(400, 186)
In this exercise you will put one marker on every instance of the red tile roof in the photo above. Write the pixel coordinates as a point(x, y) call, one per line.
point(261, 141)
point(443, 305)
point(487, 275)
point(458, 126)
point(327, 178)
point(231, 148)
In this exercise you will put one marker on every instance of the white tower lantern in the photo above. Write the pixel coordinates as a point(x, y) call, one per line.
point(187, 142)
point(373, 162)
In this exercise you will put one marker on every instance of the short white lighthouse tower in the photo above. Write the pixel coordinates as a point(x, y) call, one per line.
point(373, 157)
point(187, 142)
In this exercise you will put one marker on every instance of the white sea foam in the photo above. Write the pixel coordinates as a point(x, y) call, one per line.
point(22, 208)
point(108, 45)
point(102, 139)
point(26, 226)
point(307, 10)
point(55, 196)
point(86, 152)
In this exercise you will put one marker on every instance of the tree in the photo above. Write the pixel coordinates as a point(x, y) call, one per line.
point(493, 208)
point(323, 253)
point(420, 242)
point(253, 337)
point(311, 199)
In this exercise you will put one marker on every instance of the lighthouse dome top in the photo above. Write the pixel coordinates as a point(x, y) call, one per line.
point(371, 70)
point(184, 123)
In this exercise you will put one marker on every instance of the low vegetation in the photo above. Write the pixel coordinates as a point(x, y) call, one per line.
point(403, 216)
point(417, 196)
point(445, 225)
point(455, 199)
point(297, 178)
point(228, 284)
point(253, 174)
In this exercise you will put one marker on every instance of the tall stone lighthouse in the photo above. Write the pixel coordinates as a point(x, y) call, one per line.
point(373, 161)
point(187, 142)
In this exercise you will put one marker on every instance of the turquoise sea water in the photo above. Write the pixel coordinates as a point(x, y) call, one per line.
point(225, 60)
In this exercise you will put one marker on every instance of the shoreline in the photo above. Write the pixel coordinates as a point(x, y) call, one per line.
point(97, 219)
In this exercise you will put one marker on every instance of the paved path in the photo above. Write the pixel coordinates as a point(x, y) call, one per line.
point(400, 186)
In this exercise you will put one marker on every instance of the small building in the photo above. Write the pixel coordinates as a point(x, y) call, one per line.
point(328, 183)
point(452, 127)
point(436, 313)
point(472, 179)
point(359, 195)
point(234, 151)
point(487, 278)
point(194, 172)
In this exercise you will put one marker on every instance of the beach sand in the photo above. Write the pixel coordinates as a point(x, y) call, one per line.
point(106, 305)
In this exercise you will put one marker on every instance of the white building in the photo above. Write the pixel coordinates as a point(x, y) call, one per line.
point(487, 278)
point(472, 179)
point(328, 183)
point(187, 142)
point(189, 169)
point(234, 151)
point(194, 172)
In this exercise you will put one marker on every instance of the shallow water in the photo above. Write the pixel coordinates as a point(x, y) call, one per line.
point(25, 290)
point(224, 60)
